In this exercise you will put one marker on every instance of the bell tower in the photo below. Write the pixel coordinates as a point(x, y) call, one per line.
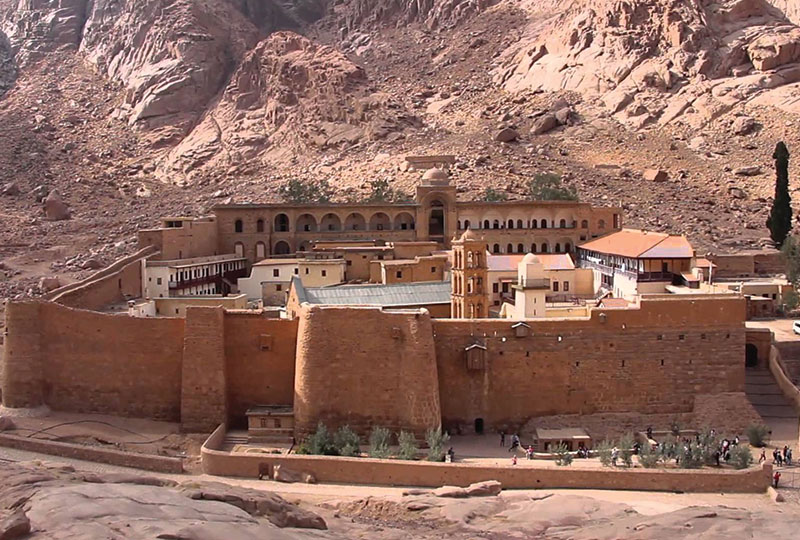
point(470, 278)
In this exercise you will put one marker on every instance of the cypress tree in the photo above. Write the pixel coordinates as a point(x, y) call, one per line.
point(780, 217)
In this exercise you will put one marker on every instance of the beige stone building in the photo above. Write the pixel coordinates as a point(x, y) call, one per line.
point(269, 279)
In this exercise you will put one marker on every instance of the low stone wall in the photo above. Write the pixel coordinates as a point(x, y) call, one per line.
point(343, 470)
point(788, 388)
point(100, 455)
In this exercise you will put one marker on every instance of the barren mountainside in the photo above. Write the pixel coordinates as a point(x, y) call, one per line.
point(130, 110)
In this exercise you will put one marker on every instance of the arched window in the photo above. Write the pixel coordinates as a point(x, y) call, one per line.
point(261, 251)
point(330, 222)
point(306, 223)
point(496, 248)
point(562, 224)
point(466, 224)
point(238, 226)
point(404, 222)
point(545, 249)
point(282, 248)
point(281, 223)
point(534, 224)
point(380, 222)
point(510, 248)
point(567, 247)
point(533, 248)
point(510, 224)
point(558, 248)
point(355, 222)
point(238, 248)
point(584, 224)
point(260, 225)
point(544, 224)
point(520, 224)
point(496, 224)
point(458, 225)
point(520, 248)
point(486, 224)
point(601, 224)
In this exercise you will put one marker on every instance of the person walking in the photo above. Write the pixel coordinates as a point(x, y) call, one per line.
point(776, 478)
point(614, 456)
point(503, 439)
point(763, 457)
point(514, 459)
point(514, 443)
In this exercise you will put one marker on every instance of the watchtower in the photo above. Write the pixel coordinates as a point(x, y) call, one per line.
point(470, 278)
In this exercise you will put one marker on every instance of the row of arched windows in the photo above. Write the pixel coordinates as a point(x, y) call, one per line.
point(529, 224)
point(331, 222)
point(544, 247)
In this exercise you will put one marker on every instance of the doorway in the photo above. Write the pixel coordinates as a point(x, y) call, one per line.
point(479, 426)
point(436, 221)
point(750, 355)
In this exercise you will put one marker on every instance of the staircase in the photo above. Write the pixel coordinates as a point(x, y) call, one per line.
point(766, 397)
point(232, 438)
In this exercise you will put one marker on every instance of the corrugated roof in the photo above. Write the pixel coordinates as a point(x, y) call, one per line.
point(641, 245)
point(510, 263)
point(400, 294)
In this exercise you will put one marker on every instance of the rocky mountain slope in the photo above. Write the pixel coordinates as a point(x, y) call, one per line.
point(130, 109)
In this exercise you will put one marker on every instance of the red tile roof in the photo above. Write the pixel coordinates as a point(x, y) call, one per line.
point(641, 245)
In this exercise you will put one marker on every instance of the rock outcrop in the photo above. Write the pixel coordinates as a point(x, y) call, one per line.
point(660, 61)
point(8, 67)
point(432, 13)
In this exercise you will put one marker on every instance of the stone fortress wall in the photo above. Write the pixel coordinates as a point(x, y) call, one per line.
point(364, 366)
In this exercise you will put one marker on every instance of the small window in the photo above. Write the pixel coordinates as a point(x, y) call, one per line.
point(577, 364)
point(276, 272)
point(176, 311)
point(495, 287)
point(566, 286)
point(702, 336)
point(238, 226)
point(399, 274)
point(659, 337)
point(623, 363)
point(662, 361)
point(349, 263)
point(306, 271)
point(297, 270)
point(278, 287)
point(682, 337)
point(433, 269)
point(324, 273)
point(555, 286)
point(158, 281)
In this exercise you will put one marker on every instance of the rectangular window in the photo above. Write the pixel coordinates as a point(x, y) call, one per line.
point(433, 271)
point(158, 281)
point(324, 273)
point(276, 272)
point(306, 271)
point(296, 271)
point(555, 286)
point(505, 287)
point(566, 286)
point(349, 263)
point(278, 287)
point(399, 274)
point(495, 287)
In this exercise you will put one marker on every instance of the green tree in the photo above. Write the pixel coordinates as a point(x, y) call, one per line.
point(648, 457)
point(758, 434)
point(436, 441)
point(408, 445)
point(306, 191)
point(741, 457)
point(780, 216)
point(493, 195)
point(625, 445)
point(549, 187)
point(563, 456)
point(379, 443)
point(320, 442)
point(603, 451)
point(381, 191)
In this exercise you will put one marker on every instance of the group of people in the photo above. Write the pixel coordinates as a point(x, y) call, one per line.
point(778, 457)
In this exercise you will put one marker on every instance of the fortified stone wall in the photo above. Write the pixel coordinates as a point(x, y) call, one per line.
point(83, 361)
point(113, 284)
point(260, 359)
point(647, 360)
point(363, 367)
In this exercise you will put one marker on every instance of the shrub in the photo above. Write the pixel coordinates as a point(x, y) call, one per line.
point(306, 191)
point(741, 457)
point(648, 456)
point(625, 446)
point(758, 435)
point(493, 195)
point(692, 455)
point(603, 451)
point(320, 442)
point(436, 441)
point(548, 187)
point(346, 442)
point(710, 445)
point(379, 443)
point(408, 445)
point(563, 456)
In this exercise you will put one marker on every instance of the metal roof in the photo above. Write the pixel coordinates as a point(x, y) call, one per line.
point(396, 295)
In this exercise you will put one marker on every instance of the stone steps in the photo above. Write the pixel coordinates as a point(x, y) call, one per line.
point(766, 397)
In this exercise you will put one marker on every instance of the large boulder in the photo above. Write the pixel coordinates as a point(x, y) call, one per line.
point(281, 473)
point(49, 283)
point(544, 123)
point(655, 175)
point(743, 125)
point(6, 423)
point(506, 135)
point(453, 492)
point(15, 525)
point(753, 170)
point(54, 207)
point(484, 489)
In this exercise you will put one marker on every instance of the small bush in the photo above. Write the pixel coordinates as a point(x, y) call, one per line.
point(692, 455)
point(758, 435)
point(741, 457)
point(548, 187)
point(346, 442)
point(649, 457)
point(408, 445)
point(603, 451)
point(320, 442)
point(379, 439)
point(625, 446)
point(563, 456)
point(436, 441)
point(306, 191)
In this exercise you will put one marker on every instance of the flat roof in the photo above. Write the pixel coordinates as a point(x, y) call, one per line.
point(398, 294)
point(562, 433)
point(510, 263)
point(196, 261)
point(637, 244)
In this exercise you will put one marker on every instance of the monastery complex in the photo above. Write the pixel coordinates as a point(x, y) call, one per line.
point(473, 316)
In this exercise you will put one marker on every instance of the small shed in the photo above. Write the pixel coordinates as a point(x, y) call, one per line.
point(547, 439)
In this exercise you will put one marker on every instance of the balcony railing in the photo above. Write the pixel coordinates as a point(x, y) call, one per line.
point(230, 275)
point(534, 284)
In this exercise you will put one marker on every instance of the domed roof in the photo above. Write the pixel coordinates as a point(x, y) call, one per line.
point(530, 258)
point(435, 174)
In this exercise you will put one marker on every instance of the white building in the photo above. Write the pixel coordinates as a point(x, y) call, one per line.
point(269, 279)
point(199, 276)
